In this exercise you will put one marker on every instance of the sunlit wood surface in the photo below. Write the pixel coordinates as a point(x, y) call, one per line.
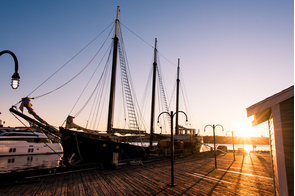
point(194, 175)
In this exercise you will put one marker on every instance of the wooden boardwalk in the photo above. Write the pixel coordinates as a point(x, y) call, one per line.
point(194, 175)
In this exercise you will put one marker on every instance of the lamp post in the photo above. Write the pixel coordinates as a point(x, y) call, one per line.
point(15, 77)
point(214, 126)
point(233, 132)
point(171, 115)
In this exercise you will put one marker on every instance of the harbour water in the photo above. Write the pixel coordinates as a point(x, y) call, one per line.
point(33, 162)
point(28, 162)
point(247, 147)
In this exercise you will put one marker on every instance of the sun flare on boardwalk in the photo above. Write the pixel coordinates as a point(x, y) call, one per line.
point(247, 148)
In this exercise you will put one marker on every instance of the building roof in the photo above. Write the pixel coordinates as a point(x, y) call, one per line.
point(262, 109)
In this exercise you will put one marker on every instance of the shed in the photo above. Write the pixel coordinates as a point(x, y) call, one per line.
point(278, 111)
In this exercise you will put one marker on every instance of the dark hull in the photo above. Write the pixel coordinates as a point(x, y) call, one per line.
point(93, 148)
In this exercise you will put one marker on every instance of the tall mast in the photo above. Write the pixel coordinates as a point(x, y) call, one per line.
point(153, 94)
point(113, 77)
point(177, 98)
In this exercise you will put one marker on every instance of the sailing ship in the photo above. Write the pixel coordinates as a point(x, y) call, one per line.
point(84, 145)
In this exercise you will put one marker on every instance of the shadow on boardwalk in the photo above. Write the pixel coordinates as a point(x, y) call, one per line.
point(194, 175)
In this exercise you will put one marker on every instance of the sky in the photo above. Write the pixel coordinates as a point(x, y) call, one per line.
point(232, 54)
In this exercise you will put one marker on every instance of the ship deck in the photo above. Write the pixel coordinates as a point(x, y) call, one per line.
point(194, 175)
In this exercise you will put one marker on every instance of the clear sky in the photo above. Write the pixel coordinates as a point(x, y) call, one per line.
point(233, 54)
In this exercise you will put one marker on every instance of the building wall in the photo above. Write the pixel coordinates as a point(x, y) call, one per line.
point(287, 121)
point(281, 175)
point(273, 155)
point(281, 133)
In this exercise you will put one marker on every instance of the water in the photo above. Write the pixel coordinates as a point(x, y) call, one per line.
point(247, 147)
point(28, 162)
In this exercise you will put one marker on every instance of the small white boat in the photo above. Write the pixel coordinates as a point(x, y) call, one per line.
point(27, 141)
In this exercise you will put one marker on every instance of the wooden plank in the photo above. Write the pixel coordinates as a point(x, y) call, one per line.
point(125, 188)
point(113, 187)
point(104, 186)
point(74, 184)
point(64, 185)
point(78, 180)
point(58, 184)
point(135, 183)
point(70, 185)
point(88, 186)
point(96, 184)
point(248, 175)
point(48, 187)
point(98, 180)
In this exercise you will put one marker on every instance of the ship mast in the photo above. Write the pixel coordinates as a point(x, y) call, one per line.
point(153, 94)
point(177, 98)
point(113, 77)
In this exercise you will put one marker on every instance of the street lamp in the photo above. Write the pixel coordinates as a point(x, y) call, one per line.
point(214, 126)
point(233, 132)
point(15, 77)
point(171, 115)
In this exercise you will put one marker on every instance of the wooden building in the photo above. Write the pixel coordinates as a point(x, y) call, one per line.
point(278, 110)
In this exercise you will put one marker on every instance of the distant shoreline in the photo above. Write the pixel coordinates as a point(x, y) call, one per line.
point(237, 140)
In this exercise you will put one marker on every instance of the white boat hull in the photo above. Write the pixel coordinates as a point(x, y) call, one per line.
point(11, 148)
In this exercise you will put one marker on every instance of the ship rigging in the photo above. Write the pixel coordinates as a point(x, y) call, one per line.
point(98, 145)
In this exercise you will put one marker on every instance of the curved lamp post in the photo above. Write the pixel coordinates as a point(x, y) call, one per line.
point(171, 115)
point(233, 132)
point(214, 126)
point(15, 77)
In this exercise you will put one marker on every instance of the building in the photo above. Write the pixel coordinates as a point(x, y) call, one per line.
point(278, 110)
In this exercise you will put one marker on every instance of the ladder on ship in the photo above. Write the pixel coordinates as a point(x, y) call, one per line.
point(128, 95)
point(162, 91)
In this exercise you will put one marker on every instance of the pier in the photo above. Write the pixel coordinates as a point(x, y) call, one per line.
point(194, 175)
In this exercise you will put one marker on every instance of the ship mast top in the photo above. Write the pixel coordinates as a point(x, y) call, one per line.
point(117, 22)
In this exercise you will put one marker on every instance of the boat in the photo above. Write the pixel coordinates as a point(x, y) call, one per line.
point(186, 142)
point(82, 145)
point(27, 141)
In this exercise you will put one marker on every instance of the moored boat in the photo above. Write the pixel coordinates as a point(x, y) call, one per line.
point(185, 143)
point(27, 141)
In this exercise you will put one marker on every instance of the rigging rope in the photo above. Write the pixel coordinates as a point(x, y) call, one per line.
point(89, 82)
point(184, 92)
point(90, 95)
point(148, 44)
point(96, 104)
point(64, 66)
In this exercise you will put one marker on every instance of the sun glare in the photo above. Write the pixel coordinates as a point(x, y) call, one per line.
point(245, 129)
point(248, 148)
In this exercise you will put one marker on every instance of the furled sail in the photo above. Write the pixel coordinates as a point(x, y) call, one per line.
point(26, 102)
point(70, 124)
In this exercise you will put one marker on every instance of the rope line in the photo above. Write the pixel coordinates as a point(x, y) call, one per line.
point(148, 44)
point(64, 66)
point(92, 92)
point(93, 72)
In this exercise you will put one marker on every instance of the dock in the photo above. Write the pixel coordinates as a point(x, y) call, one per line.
point(193, 175)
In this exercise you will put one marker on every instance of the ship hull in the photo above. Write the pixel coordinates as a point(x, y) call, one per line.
point(81, 147)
